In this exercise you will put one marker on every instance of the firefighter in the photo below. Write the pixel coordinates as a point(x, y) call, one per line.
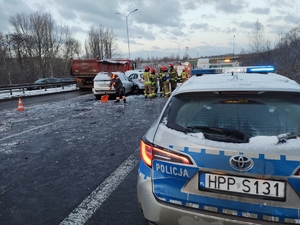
point(173, 77)
point(147, 82)
point(153, 79)
point(183, 76)
point(116, 82)
point(165, 81)
point(161, 86)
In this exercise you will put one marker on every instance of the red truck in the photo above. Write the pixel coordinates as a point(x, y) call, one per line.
point(85, 70)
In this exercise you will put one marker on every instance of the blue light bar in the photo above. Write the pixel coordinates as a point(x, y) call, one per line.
point(246, 69)
point(261, 69)
point(203, 71)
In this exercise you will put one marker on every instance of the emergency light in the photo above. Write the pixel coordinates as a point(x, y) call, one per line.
point(241, 69)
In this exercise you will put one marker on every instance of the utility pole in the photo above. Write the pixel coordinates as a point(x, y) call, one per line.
point(233, 44)
point(178, 47)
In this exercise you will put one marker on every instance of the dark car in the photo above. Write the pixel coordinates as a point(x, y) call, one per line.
point(49, 83)
point(68, 80)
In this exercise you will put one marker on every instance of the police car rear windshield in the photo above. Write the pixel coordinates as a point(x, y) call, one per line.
point(234, 117)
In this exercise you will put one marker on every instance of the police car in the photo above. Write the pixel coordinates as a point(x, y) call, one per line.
point(225, 150)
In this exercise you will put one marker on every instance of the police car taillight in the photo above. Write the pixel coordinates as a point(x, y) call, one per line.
point(149, 153)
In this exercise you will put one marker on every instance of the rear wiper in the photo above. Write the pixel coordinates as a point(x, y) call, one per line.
point(282, 138)
point(222, 134)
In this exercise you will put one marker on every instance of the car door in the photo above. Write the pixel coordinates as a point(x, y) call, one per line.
point(126, 83)
point(134, 78)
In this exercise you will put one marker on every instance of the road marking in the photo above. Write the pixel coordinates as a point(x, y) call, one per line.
point(38, 127)
point(35, 128)
point(89, 205)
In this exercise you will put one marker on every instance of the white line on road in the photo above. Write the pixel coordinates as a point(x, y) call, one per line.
point(32, 129)
point(89, 205)
point(39, 127)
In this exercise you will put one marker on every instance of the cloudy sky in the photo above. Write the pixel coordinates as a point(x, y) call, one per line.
point(167, 27)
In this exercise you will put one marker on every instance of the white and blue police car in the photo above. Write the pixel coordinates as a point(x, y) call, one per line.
point(224, 150)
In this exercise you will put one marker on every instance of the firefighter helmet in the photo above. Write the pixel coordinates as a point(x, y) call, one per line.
point(183, 70)
point(152, 70)
point(147, 68)
point(163, 68)
point(171, 65)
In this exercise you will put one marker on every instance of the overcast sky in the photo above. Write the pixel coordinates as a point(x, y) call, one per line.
point(164, 27)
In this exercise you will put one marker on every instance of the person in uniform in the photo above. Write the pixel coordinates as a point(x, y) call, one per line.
point(153, 82)
point(147, 82)
point(173, 77)
point(161, 86)
point(183, 76)
point(117, 84)
point(165, 81)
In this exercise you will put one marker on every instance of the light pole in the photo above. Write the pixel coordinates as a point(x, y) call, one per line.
point(233, 44)
point(178, 47)
point(127, 27)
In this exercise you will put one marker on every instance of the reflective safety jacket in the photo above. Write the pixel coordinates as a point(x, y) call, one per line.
point(160, 75)
point(153, 79)
point(165, 77)
point(147, 77)
point(183, 75)
point(173, 74)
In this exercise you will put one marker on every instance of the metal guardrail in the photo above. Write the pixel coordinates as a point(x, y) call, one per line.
point(28, 87)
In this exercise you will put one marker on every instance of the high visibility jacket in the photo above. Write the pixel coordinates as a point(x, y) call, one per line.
point(183, 75)
point(165, 77)
point(153, 79)
point(160, 75)
point(147, 77)
point(173, 74)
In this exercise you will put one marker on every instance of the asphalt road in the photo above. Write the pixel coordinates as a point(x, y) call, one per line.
point(72, 160)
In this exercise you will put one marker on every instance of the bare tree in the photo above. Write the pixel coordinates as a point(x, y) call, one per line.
point(6, 59)
point(101, 42)
point(72, 47)
point(257, 41)
point(39, 42)
point(288, 54)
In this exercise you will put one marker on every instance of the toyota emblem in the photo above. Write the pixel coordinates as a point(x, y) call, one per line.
point(241, 163)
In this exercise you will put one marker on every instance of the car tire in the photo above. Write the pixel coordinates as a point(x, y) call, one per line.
point(136, 90)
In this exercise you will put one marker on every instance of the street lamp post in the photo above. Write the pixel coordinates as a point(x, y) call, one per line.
point(179, 48)
point(127, 27)
point(233, 44)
